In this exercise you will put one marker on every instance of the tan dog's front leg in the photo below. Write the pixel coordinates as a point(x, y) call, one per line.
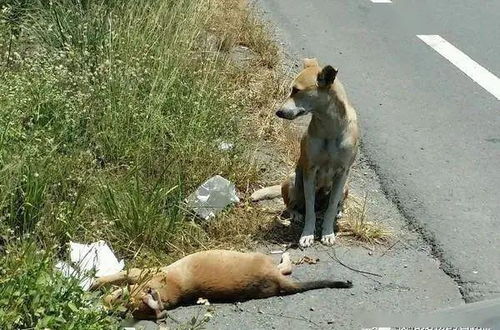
point(330, 218)
point(307, 237)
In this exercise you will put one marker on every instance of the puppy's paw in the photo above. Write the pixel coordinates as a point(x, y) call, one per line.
point(339, 215)
point(328, 239)
point(306, 240)
point(285, 257)
point(150, 300)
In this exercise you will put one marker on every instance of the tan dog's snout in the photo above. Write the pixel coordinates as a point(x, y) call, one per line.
point(290, 112)
point(290, 115)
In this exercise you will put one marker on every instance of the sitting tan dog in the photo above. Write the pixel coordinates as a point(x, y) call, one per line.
point(327, 151)
point(217, 275)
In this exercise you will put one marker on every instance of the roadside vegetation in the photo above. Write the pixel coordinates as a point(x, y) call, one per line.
point(111, 113)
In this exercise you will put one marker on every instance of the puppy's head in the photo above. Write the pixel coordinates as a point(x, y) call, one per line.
point(142, 302)
point(310, 90)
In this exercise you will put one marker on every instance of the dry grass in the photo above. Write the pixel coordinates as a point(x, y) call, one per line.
point(241, 228)
point(354, 224)
point(234, 24)
point(289, 143)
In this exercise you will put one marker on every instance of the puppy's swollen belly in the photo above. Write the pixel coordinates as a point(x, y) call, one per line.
point(217, 275)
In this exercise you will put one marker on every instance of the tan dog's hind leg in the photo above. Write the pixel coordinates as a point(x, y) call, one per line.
point(285, 265)
point(293, 196)
point(329, 220)
point(294, 215)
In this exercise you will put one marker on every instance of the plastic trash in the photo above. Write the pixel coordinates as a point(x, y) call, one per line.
point(89, 259)
point(226, 146)
point(212, 197)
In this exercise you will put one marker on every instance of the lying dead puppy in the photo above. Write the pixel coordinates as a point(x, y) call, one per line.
point(217, 275)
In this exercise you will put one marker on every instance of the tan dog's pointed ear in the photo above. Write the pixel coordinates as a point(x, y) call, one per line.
point(327, 76)
point(308, 62)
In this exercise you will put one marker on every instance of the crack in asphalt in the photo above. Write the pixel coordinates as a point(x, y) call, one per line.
point(427, 236)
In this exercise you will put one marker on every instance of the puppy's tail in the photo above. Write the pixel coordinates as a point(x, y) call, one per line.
point(266, 193)
point(290, 287)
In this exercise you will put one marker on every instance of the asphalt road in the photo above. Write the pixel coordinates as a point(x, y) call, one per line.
point(431, 132)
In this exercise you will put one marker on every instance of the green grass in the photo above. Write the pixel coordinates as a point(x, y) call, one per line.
point(109, 118)
point(111, 113)
point(32, 295)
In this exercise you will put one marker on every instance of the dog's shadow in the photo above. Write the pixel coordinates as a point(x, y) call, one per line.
point(283, 230)
point(286, 231)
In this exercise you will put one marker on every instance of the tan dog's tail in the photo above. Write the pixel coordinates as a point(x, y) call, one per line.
point(289, 287)
point(266, 193)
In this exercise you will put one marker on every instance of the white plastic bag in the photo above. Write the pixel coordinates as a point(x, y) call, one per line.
point(87, 259)
point(212, 197)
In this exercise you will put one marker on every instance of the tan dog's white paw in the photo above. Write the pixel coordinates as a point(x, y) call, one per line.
point(306, 240)
point(328, 239)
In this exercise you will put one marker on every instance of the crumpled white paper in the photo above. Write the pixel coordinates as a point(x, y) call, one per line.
point(89, 258)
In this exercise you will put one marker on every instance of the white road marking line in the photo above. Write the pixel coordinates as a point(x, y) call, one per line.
point(476, 72)
point(381, 1)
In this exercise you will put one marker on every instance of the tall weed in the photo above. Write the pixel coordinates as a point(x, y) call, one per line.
point(119, 114)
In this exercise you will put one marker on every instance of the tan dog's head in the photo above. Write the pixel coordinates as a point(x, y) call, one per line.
point(310, 90)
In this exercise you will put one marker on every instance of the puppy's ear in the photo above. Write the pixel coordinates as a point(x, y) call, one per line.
point(308, 62)
point(327, 76)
